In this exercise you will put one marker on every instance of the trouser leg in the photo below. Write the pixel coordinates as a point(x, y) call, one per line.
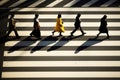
point(53, 32)
point(60, 34)
point(15, 31)
point(81, 30)
point(107, 35)
point(9, 31)
point(74, 31)
point(98, 35)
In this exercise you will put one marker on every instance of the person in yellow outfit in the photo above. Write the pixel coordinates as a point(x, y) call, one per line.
point(59, 26)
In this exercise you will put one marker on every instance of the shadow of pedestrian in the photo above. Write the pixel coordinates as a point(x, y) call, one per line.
point(62, 42)
point(88, 43)
point(45, 42)
point(22, 45)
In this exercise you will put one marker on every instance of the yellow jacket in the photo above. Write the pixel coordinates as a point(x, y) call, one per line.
point(59, 26)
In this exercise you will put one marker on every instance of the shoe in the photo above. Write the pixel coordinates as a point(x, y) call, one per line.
point(108, 37)
point(60, 35)
point(83, 33)
point(18, 37)
point(30, 35)
point(71, 34)
point(52, 33)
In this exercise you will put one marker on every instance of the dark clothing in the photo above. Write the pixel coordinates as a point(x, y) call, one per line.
point(12, 28)
point(77, 22)
point(77, 26)
point(36, 30)
point(103, 26)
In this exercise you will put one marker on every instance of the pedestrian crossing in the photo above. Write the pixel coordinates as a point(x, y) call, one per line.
point(59, 3)
point(63, 58)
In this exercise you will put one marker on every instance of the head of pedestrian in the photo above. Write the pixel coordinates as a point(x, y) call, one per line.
point(78, 15)
point(59, 15)
point(36, 15)
point(105, 16)
point(12, 15)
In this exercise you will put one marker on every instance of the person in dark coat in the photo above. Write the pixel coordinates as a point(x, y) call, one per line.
point(12, 26)
point(77, 25)
point(36, 31)
point(103, 26)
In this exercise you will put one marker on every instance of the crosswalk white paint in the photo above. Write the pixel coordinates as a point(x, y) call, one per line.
point(17, 3)
point(60, 63)
point(2, 2)
point(108, 3)
point(62, 53)
point(52, 24)
point(61, 74)
point(36, 3)
point(54, 3)
point(67, 16)
point(67, 33)
point(89, 3)
point(74, 43)
point(71, 3)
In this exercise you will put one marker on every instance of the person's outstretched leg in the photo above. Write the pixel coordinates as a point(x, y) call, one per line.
point(97, 35)
point(108, 36)
point(82, 31)
point(60, 34)
point(8, 33)
point(73, 31)
point(53, 32)
point(16, 33)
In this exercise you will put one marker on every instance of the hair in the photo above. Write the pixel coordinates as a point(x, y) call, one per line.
point(12, 15)
point(78, 15)
point(104, 17)
point(36, 15)
point(59, 15)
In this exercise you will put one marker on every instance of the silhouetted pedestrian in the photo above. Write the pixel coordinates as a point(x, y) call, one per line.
point(36, 31)
point(77, 25)
point(12, 26)
point(103, 26)
point(59, 26)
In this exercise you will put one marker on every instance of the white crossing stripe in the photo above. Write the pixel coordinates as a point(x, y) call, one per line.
point(63, 53)
point(60, 63)
point(52, 24)
point(89, 3)
point(108, 3)
point(54, 3)
point(2, 2)
point(66, 9)
point(17, 3)
point(74, 43)
point(67, 33)
point(61, 74)
point(67, 16)
point(71, 3)
point(36, 3)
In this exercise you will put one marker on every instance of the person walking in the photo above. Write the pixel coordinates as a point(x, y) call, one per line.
point(59, 26)
point(103, 27)
point(77, 25)
point(12, 26)
point(36, 31)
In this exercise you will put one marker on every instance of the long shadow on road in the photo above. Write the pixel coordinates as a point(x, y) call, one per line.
point(88, 43)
